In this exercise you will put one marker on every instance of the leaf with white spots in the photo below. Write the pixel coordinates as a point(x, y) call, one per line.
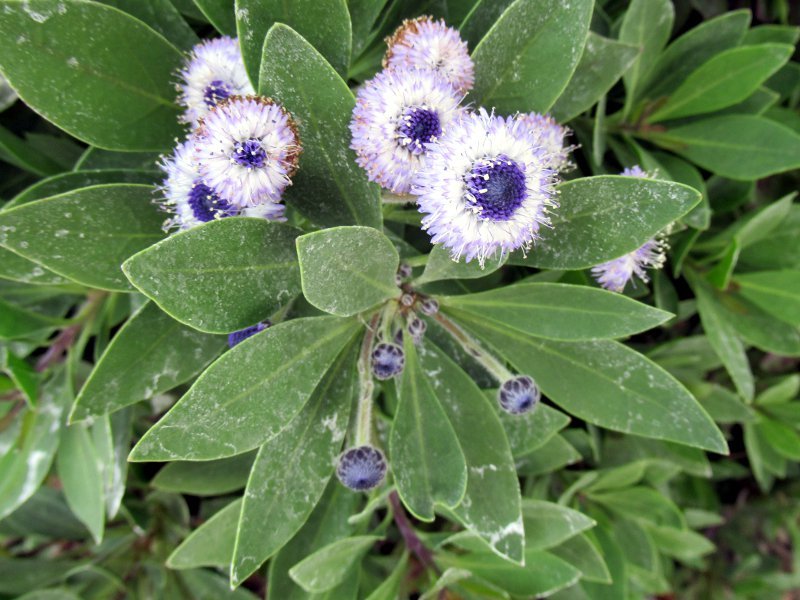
point(249, 394)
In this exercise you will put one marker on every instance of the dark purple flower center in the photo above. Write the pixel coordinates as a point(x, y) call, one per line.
point(497, 187)
point(361, 468)
point(206, 204)
point(249, 154)
point(418, 126)
point(216, 92)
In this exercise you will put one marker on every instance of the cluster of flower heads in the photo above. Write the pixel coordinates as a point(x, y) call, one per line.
point(484, 182)
point(615, 274)
point(243, 148)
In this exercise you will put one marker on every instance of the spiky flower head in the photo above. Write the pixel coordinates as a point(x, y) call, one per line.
point(247, 149)
point(615, 274)
point(362, 468)
point(423, 43)
point(237, 337)
point(485, 187)
point(397, 114)
point(213, 72)
point(388, 360)
point(191, 202)
point(518, 395)
point(551, 136)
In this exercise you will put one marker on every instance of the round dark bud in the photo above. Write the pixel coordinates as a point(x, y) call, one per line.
point(429, 307)
point(407, 300)
point(416, 328)
point(362, 468)
point(404, 271)
point(518, 395)
point(238, 337)
point(388, 360)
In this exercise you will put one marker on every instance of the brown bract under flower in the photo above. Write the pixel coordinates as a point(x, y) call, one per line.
point(409, 26)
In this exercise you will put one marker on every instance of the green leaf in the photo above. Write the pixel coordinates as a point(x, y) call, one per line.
point(81, 475)
point(642, 504)
point(777, 250)
point(324, 23)
point(346, 270)
point(603, 62)
point(741, 147)
point(23, 155)
point(220, 276)
point(151, 354)
point(782, 437)
point(530, 33)
point(694, 48)
point(25, 464)
point(601, 218)
point(427, 461)
point(113, 75)
point(584, 556)
point(559, 311)
point(328, 567)
point(722, 404)
point(728, 78)
point(548, 524)
point(723, 338)
point(554, 454)
point(785, 390)
point(772, 34)
point(220, 13)
point(776, 292)
point(363, 16)
point(530, 430)
point(66, 182)
point(682, 544)
point(85, 234)
point(480, 19)
point(292, 469)
point(207, 478)
point(491, 504)
point(211, 544)
point(608, 384)
point(21, 373)
point(16, 268)
point(162, 17)
point(97, 159)
point(542, 575)
point(249, 394)
point(720, 275)
point(647, 25)
point(329, 187)
point(441, 266)
point(16, 322)
point(326, 524)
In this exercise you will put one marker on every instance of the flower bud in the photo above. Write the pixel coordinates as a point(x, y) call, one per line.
point(388, 360)
point(429, 307)
point(518, 395)
point(404, 271)
point(416, 328)
point(362, 468)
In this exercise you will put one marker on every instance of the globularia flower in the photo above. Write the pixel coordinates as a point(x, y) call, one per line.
point(551, 136)
point(615, 274)
point(397, 114)
point(362, 468)
point(192, 202)
point(247, 149)
point(239, 336)
point(388, 360)
point(485, 187)
point(213, 72)
point(423, 43)
point(518, 395)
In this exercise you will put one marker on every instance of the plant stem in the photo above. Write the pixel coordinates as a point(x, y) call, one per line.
point(412, 541)
point(66, 337)
point(365, 384)
point(474, 349)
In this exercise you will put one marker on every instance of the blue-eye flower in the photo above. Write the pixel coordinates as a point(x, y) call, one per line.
point(518, 395)
point(550, 136)
point(423, 43)
point(213, 72)
point(362, 468)
point(247, 149)
point(397, 114)
point(615, 274)
point(191, 202)
point(485, 187)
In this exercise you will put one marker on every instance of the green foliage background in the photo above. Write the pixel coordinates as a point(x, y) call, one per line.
point(664, 459)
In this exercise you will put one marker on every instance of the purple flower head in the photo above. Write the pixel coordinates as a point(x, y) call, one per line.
point(519, 395)
point(423, 43)
point(192, 202)
point(550, 136)
point(485, 187)
point(213, 72)
point(238, 337)
point(397, 114)
point(246, 150)
point(615, 274)
point(388, 360)
point(362, 468)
